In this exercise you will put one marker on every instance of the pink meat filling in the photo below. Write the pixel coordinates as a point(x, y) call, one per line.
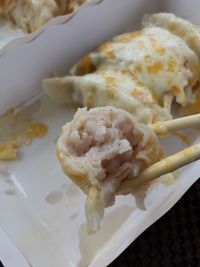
point(97, 132)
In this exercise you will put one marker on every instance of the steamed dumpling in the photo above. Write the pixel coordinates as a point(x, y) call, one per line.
point(159, 59)
point(101, 147)
point(155, 57)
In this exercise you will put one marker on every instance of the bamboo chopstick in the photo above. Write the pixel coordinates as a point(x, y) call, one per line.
point(163, 128)
point(162, 167)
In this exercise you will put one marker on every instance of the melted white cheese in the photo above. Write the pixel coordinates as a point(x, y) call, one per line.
point(112, 87)
point(155, 57)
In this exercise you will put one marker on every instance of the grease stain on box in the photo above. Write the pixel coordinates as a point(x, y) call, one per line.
point(64, 186)
point(73, 216)
point(17, 128)
point(72, 190)
point(7, 186)
point(9, 181)
point(4, 173)
point(10, 192)
point(54, 197)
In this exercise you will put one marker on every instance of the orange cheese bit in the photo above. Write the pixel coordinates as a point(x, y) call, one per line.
point(171, 64)
point(110, 54)
point(129, 36)
point(158, 99)
point(37, 130)
point(146, 99)
point(135, 34)
point(128, 73)
point(8, 151)
point(155, 68)
point(108, 49)
point(176, 90)
point(85, 66)
point(111, 83)
point(141, 96)
point(160, 50)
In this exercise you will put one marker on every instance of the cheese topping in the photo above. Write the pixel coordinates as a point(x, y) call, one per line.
point(109, 86)
point(131, 71)
point(154, 56)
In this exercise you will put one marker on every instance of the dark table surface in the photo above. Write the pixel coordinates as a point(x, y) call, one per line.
point(173, 241)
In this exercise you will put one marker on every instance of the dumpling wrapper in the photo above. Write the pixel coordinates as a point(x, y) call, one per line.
point(107, 86)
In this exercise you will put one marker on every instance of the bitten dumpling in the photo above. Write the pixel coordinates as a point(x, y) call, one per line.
point(101, 147)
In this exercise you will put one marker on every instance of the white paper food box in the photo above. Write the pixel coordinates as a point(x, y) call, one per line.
point(54, 234)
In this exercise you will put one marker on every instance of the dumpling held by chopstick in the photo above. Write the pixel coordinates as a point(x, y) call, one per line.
point(99, 149)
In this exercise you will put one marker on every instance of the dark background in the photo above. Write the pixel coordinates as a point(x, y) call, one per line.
point(173, 241)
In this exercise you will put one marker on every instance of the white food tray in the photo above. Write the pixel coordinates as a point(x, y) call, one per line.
point(44, 215)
